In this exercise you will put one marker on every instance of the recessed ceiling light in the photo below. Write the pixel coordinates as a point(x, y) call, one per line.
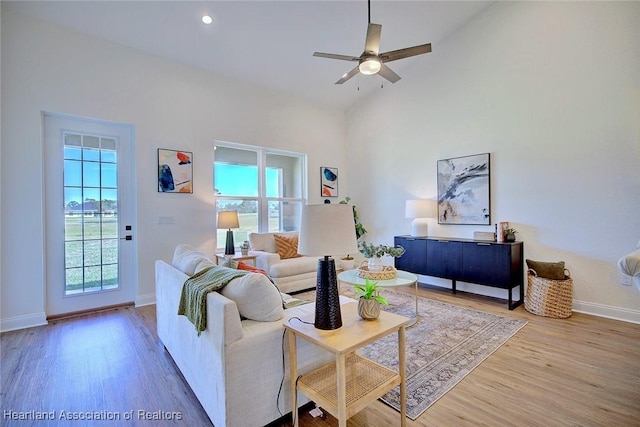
point(207, 19)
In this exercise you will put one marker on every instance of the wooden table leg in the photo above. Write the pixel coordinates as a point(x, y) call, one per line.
point(293, 372)
point(341, 375)
point(403, 371)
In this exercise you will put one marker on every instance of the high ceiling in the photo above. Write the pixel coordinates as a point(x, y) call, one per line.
point(267, 43)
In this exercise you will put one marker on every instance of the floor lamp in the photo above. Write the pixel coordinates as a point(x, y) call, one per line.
point(327, 229)
point(229, 220)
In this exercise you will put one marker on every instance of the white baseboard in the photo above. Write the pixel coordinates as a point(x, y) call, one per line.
point(22, 322)
point(600, 310)
point(594, 309)
point(147, 299)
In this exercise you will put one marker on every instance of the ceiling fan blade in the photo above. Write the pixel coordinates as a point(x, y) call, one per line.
point(334, 56)
point(388, 74)
point(405, 53)
point(347, 76)
point(372, 42)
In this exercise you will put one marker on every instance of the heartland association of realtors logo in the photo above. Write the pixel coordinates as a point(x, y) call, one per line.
point(140, 414)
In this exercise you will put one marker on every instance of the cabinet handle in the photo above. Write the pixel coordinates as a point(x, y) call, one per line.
point(443, 241)
point(483, 244)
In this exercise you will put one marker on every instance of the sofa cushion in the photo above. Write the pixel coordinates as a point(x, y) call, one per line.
point(294, 266)
point(186, 258)
point(256, 297)
point(286, 246)
point(547, 270)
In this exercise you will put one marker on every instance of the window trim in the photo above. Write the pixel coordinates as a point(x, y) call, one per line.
point(262, 200)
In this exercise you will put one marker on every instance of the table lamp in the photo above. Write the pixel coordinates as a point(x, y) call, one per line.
point(228, 220)
point(420, 210)
point(327, 229)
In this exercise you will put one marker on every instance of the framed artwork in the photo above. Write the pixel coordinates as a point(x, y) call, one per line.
point(464, 190)
point(328, 182)
point(175, 171)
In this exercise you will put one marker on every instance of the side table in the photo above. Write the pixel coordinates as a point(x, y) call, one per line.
point(347, 386)
point(236, 257)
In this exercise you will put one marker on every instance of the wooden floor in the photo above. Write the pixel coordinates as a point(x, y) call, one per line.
point(581, 371)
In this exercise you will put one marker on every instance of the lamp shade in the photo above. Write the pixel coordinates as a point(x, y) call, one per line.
point(228, 219)
point(327, 229)
point(420, 209)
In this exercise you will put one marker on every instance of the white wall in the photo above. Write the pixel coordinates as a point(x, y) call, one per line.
point(552, 91)
point(47, 68)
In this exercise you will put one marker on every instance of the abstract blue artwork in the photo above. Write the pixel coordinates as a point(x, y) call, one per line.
point(328, 182)
point(464, 190)
point(175, 171)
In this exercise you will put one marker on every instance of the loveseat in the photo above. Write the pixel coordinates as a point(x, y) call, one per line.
point(236, 366)
point(276, 253)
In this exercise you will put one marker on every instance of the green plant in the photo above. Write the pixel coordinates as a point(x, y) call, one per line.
point(370, 291)
point(360, 230)
point(510, 231)
point(369, 250)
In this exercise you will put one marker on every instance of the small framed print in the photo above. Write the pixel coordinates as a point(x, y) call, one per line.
point(328, 181)
point(175, 171)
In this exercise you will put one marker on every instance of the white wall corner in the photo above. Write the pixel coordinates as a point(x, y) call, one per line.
point(610, 312)
point(147, 299)
point(23, 322)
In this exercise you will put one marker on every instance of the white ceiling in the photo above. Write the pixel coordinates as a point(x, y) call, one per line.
point(267, 43)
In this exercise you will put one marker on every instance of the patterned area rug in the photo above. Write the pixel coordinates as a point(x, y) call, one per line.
point(446, 344)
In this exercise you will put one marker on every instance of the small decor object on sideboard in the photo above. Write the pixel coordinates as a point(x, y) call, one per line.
point(369, 300)
point(510, 234)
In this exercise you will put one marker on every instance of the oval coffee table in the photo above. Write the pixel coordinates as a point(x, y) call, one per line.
point(403, 278)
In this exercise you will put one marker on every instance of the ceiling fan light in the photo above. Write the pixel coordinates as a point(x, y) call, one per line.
point(369, 66)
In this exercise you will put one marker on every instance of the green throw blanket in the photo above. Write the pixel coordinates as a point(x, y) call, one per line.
point(193, 301)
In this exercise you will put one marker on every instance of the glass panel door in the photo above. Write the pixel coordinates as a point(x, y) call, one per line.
point(91, 213)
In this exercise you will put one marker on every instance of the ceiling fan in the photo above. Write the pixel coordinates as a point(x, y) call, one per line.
point(371, 61)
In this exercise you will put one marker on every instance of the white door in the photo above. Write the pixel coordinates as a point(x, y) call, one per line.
point(89, 214)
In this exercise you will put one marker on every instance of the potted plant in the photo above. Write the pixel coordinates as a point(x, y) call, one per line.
point(347, 262)
point(510, 234)
point(369, 300)
point(244, 248)
point(360, 230)
point(375, 252)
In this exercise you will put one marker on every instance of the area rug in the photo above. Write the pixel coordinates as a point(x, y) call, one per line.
point(446, 344)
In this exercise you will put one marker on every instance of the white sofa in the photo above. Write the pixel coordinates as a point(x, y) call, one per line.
point(291, 274)
point(235, 367)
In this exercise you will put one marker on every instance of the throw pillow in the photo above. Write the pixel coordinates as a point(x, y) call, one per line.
point(286, 247)
point(186, 258)
point(244, 266)
point(547, 270)
point(256, 297)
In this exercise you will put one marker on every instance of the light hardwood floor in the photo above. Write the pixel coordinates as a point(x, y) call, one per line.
point(581, 371)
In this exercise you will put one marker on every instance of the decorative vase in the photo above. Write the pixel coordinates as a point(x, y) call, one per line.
point(347, 264)
point(368, 309)
point(510, 237)
point(374, 264)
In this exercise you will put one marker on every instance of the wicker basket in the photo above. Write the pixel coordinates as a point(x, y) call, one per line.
point(387, 272)
point(548, 297)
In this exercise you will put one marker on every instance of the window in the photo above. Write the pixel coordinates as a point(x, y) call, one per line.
point(267, 187)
